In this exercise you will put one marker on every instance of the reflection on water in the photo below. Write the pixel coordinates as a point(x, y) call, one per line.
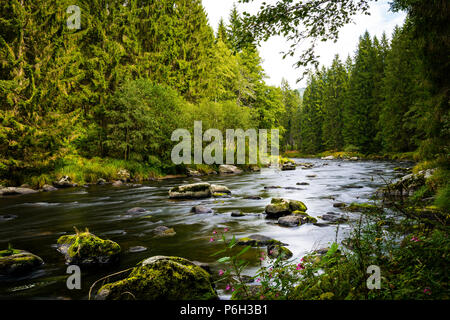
point(37, 220)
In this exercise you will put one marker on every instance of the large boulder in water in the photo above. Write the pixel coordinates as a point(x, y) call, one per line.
point(282, 207)
point(84, 248)
point(197, 190)
point(295, 220)
point(162, 278)
point(15, 262)
point(258, 240)
point(9, 191)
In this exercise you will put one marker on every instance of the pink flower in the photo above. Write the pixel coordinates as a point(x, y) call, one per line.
point(232, 289)
point(300, 267)
point(415, 239)
point(228, 287)
point(301, 259)
point(258, 280)
point(277, 294)
point(226, 230)
point(211, 240)
point(427, 291)
point(262, 258)
point(271, 252)
point(221, 272)
point(214, 232)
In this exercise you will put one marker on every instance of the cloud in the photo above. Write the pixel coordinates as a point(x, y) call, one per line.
point(381, 20)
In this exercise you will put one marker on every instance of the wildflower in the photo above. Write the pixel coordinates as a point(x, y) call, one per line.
point(277, 294)
point(211, 240)
point(228, 287)
point(232, 289)
point(427, 291)
point(300, 267)
point(271, 252)
point(214, 232)
point(262, 258)
point(414, 239)
point(226, 230)
point(221, 272)
point(258, 280)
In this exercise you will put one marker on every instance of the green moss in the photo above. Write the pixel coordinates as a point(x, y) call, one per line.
point(85, 245)
point(162, 278)
point(9, 252)
point(18, 262)
point(354, 207)
point(296, 205)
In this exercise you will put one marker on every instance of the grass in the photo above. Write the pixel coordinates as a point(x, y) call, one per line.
point(82, 170)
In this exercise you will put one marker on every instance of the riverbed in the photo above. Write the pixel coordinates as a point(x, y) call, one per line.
point(36, 221)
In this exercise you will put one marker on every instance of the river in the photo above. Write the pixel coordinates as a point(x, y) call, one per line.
point(43, 217)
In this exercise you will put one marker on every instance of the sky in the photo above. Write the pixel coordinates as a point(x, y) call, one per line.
point(381, 20)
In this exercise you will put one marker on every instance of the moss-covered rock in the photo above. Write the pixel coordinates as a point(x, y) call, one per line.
point(162, 278)
point(197, 191)
point(14, 262)
point(281, 207)
point(87, 249)
point(295, 220)
point(277, 251)
point(360, 207)
point(258, 240)
point(163, 231)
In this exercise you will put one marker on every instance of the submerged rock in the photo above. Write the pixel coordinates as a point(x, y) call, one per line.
point(288, 166)
point(258, 240)
point(334, 218)
point(339, 205)
point(229, 169)
point(137, 249)
point(85, 248)
point(253, 197)
point(163, 231)
point(282, 207)
point(162, 278)
point(9, 191)
point(7, 217)
point(277, 251)
point(15, 262)
point(327, 158)
point(201, 210)
point(136, 210)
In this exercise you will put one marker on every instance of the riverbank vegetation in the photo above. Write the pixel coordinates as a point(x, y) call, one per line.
point(89, 102)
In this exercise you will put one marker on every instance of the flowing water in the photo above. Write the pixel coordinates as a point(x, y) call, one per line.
point(41, 218)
